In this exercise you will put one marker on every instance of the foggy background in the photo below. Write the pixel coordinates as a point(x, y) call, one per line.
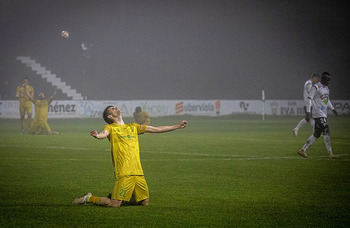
point(176, 49)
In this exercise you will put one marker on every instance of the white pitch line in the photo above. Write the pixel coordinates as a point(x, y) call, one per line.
point(143, 151)
point(289, 141)
point(221, 156)
point(54, 147)
point(185, 159)
point(194, 154)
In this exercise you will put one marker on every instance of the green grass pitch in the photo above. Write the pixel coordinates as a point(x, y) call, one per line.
point(218, 172)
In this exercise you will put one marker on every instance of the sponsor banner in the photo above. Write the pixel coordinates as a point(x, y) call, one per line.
point(96, 108)
point(198, 108)
point(86, 108)
point(296, 107)
point(9, 109)
point(284, 107)
point(229, 107)
point(156, 108)
point(62, 109)
point(342, 106)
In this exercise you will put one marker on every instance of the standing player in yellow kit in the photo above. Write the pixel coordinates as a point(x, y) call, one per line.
point(130, 185)
point(25, 106)
point(41, 110)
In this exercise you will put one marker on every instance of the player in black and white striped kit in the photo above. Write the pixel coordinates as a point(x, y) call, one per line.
point(320, 102)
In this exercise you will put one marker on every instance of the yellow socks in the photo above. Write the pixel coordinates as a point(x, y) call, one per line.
point(95, 200)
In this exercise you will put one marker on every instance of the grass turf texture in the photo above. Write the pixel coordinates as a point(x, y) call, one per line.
point(226, 171)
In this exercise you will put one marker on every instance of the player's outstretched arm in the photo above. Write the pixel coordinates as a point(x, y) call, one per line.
point(161, 129)
point(52, 96)
point(101, 135)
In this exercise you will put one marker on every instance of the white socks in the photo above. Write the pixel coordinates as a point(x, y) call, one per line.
point(312, 139)
point(300, 124)
point(327, 143)
point(309, 142)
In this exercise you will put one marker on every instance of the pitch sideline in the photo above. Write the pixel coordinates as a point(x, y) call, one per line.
point(226, 157)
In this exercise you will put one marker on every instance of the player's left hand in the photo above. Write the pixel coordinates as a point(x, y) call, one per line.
point(335, 112)
point(183, 124)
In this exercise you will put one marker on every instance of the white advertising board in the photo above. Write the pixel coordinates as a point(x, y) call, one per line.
point(156, 108)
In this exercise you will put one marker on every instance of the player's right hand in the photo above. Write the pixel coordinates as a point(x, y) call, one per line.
point(93, 133)
point(308, 116)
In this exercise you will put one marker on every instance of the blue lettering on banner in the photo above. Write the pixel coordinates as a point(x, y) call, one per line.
point(152, 109)
point(86, 109)
point(62, 108)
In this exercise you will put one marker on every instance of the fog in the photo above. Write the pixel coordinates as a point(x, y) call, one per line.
point(169, 49)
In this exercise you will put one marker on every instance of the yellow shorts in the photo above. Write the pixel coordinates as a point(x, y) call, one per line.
point(39, 124)
point(25, 107)
point(126, 186)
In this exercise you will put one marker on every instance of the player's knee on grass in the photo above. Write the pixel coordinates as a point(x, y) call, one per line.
point(114, 203)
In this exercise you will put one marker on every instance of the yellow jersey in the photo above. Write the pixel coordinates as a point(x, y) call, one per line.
point(23, 97)
point(142, 118)
point(41, 109)
point(125, 148)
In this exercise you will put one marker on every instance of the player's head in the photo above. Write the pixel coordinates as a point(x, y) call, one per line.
point(110, 113)
point(25, 81)
point(106, 114)
point(315, 78)
point(138, 109)
point(42, 95)
point(325, 78)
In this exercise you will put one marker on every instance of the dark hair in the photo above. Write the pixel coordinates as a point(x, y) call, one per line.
point(105, 115)
point(138, 109)
point(326, 76)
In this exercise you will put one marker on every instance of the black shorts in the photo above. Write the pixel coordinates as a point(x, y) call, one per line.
point(321, 127)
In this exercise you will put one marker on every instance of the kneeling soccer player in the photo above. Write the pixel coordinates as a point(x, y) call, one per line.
point(41, 110)
point(130, 186)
